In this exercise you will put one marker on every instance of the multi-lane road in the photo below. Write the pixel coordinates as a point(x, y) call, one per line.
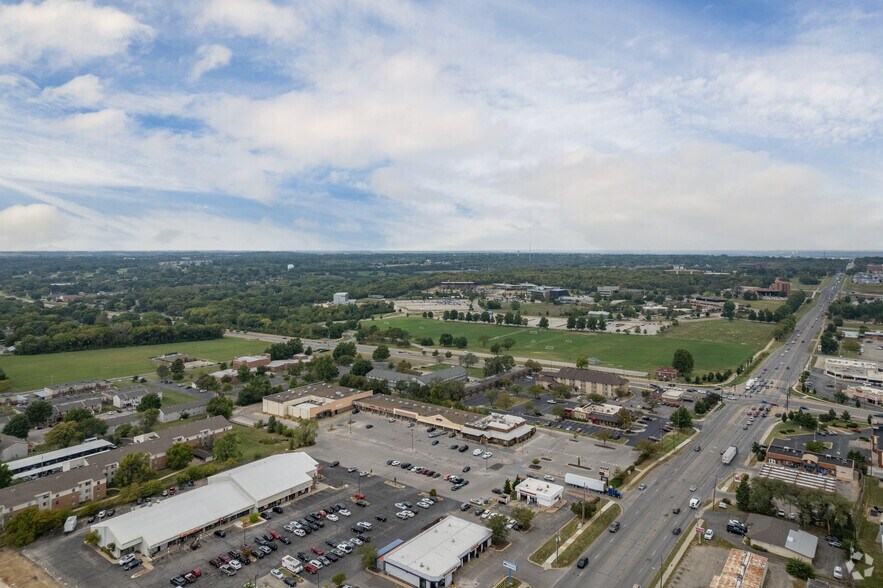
point(634, 554)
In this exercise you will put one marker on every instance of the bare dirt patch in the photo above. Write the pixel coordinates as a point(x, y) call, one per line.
point(17, 570)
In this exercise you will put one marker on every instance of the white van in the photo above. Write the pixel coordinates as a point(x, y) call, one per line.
point(694, 502)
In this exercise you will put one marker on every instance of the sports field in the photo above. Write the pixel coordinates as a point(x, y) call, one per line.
point(714, 345)
point(30, 372)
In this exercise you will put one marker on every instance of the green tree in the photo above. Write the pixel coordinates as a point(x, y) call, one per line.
point(18, 426)
point(149, 400)
point(504, 401)
point(78, 414)
point(150, 488)
point(5, 476)
point(207, 382)
point(681, 418)
point(163, 371)
point(92, 538)
point(368, 554)
point(361, 366)
point(499, 532)
point(604, 436)
point(582, 362)
point(148, 418)
point(227, 448)
point(178, 456)
point(243, 373)
point(38, 412)
point(558, 411)
point(381, 353)
point(743, 495)
point(220, 406)
point(483, 339)
point(323, 368)
point(468, 360)
point(177, 370)
point(799, 569)
point(829, 345)
point(63, 435)
point(92, 427)
point(544, 323)
point(523, 516)
point(338, 579)
point(682, 361)
point(134, 469)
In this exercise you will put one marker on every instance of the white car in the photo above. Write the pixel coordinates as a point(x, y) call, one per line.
point(299, 532)
point(424, 504)
point(276, 573)
point(477, 451)
point(838, 572)
point(234, 563)
point(486, 455)
point(550, 401)
point(344, 512)
point(318, 564)
point(357, 541)
point(101, 514)
point(549, 478)
point(126, 559)
point(363, 473)
point(365, 525)
point(410, 513)
point(401, 506)
point(396, 462)
point(402, 515)
point(709, 534)
point(344, 547)
point(332, 517)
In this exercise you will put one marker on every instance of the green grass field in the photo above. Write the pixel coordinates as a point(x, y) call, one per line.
point(715, 345)
point(171, 398)
point(30, 372)
point(770, 305)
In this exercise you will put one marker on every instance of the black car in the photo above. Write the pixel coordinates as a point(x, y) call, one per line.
point(267, 537)
point(278, 509)
point(380, 518)
point(110, 512)
point(677, 531)
point(285, 540)
point(466, 469)
point(369, 426)
point(496, 491)
point(361, 503)
point(365, 538)
point(272, 545)
point(290, 581)
point(583, 562)
point(266, 516)
point(258, 553)
point(677, 511)
point(358, 530)
point(132, 565)
point(405, 466)
point(331, 556)
point(220, 533)
point(91, 519)
point(233, 554)
point(302, 556)
point(463, 448)
point(335, 463)
point(331, 543)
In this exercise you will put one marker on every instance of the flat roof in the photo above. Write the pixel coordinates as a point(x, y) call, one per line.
point(437, 550)
point(497, 434)
point(594, 376)
point(741, 570)
point(271, 475)
point(539, 487)
point(423, 409)
point(329, 391)
point(802, 542)
point(59, 454)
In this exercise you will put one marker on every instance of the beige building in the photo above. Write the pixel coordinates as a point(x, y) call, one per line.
point(584, 381)
point(742, 570)
point(313, 401)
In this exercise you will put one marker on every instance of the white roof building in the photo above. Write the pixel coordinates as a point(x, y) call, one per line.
point(539, 492)
point(432, 557)
point(227, 496)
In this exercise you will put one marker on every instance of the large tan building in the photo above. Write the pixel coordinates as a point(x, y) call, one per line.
point(584, 381)
point(313, 401)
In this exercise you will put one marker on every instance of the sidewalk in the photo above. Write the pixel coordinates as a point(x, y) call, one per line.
point(673, 565)
point(547, 565)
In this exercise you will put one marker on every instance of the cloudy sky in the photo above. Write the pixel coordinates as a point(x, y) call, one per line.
point(385, 124)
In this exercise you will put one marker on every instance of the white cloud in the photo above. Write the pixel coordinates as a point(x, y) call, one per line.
point(210, 57)
point(85, 90)
point(251, 18)
point(102, 122)
point(32, 227)
point(65, 32)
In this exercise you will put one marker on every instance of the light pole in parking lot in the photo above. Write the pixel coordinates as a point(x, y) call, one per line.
point(412, 439)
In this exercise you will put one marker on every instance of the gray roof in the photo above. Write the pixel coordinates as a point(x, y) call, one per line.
point(769, 529)
point(390, 375)
point(9, 441)
point(454, 372)
point(803, 543)
point(185, 406)
point(594, 376)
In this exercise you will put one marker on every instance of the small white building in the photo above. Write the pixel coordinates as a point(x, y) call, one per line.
point(430, 559)
point(341, 298)
point(539, 492)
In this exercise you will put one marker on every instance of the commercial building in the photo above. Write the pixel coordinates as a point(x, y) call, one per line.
point(780, 453)
point(430, 559)
point(781, 537)
point(12, 448)
point(456, 286)
point(497, 429)
point(341, 298)
point(547, 292)
point(854, 370)
point(283, 365)
point(672, 397)
point(88, 480)
point(227, 496)
point(667, 373)
point(539, 492)
point(865, 393)
point(706, 303)
point(584, 381)
point(454, 373)
point(252, 361)
point(183, 411)
point(313, 401)
point(599, 414)
point(742, 570)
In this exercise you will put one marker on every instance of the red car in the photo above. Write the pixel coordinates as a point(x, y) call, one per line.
point(311, 568)
point(274, 534)
point(358, 496)
point(317, 551)
point(856, 430)
point(196, 572)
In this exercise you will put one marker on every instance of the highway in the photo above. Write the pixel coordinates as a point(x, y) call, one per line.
point(635, 553)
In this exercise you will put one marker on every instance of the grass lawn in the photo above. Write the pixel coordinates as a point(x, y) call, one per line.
point(548, 548)
point(587, 536)
point(780, 429)
point(258, 443)
point(770, 305)
point(637, 352)
point(31, 372)
point(867, 530)
point(541, 308)
point(505, 583)
point(171, 398)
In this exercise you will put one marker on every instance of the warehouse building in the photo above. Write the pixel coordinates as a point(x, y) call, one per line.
point(227, 496)
point(430, 559)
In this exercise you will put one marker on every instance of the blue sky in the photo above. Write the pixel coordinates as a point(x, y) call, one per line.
point(267, 124)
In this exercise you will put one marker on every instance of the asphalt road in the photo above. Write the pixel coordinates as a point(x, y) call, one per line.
point(636, 552)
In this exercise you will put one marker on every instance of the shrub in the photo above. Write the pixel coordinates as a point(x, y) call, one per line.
point(800, 569)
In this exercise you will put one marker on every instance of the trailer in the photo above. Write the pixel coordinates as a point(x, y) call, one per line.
point(750, 384)
point(728, 455)
point(70, 524)
point(584, 482)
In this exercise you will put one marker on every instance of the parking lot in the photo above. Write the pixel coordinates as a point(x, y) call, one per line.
point(68, 557)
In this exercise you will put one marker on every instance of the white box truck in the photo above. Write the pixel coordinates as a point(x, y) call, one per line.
point(694, 502)
point(729, 454)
